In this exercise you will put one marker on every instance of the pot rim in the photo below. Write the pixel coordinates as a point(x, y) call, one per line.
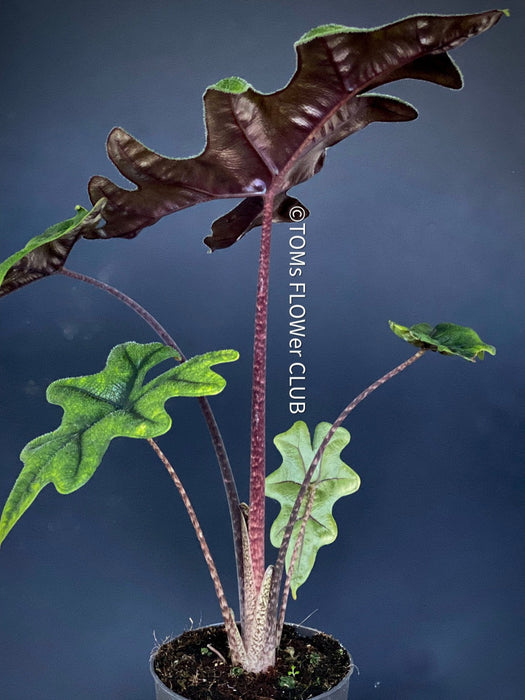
point(310, 632)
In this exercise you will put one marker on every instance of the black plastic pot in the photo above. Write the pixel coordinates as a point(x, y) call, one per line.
point(338, 692)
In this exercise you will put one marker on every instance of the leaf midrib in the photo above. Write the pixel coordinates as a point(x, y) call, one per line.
point(277, 182)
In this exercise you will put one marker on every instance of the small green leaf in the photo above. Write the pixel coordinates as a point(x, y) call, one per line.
point(46, 253)
point(332, 480)
point(445, 338)
point(286, 682)
point(99, 407)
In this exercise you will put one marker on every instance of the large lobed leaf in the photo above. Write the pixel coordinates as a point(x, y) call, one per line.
point(46, 253)
point(260, 142)
point(445, 338)
point(332, 479)
point(99, 407)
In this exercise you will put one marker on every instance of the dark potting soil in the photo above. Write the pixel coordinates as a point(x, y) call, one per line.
point(306, 667)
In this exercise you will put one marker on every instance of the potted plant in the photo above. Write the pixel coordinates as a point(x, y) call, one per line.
point(258, 147)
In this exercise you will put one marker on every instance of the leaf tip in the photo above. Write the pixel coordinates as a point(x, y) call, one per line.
point(321, 30)
point(233, 85)
point(232, 355)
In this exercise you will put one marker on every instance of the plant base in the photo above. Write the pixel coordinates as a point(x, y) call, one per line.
point(195, 666)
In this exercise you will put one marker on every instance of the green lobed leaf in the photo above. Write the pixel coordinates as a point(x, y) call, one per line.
point(332, 480)
point(445, 338)
point(46, 253)
point(99, 407)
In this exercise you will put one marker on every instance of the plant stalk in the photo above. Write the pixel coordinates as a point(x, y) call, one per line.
point(215, 434)
point(223, 603)
point(281, 557)
point(295, 554)
point(256, 521)
point(125, 299)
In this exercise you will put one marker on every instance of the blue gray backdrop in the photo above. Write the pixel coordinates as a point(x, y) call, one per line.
point(421, 221)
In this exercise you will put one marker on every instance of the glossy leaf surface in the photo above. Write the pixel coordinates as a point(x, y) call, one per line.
point(332, 480)
point(46, 253)
point(231, 227)
point(257, 143)
point(99, 407)
point(445, 338)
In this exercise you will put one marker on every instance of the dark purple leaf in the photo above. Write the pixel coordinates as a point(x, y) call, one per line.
point(46, 253)
point(248, 214)
point(261, 143)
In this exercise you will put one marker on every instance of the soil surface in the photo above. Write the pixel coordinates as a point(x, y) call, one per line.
point(306, 667)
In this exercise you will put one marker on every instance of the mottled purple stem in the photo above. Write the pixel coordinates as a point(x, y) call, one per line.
point(281, 557)
point(256, 521)
point(223, 603)
point(216, 437)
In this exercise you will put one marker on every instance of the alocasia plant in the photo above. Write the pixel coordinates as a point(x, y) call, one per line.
point(258, 146)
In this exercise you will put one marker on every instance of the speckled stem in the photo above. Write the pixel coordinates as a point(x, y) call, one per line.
point(281, 557)
point(227, 615)
point(215, 434)
point(256, 522)
point(296, 552)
